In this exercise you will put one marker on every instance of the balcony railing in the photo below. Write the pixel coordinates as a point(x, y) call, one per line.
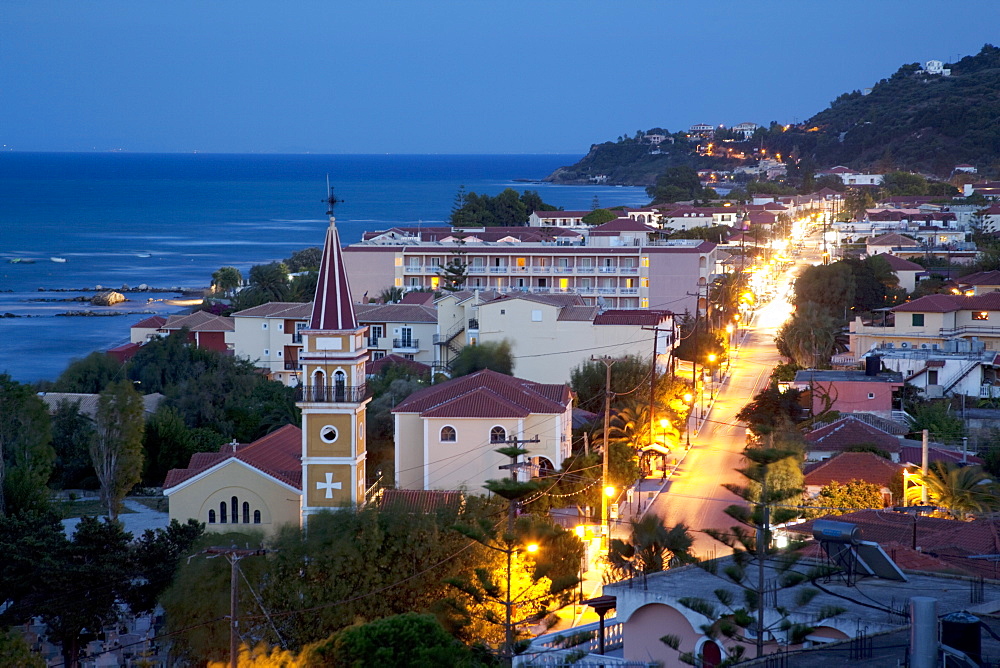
point(542, 270)
point(406, 343)
point(607, 291)
point(475, 269)
point(965, 330)
point(473, 323)
point(629, 270)
point(331, 393)
point(608, 270)
point(498, 270)
point(563, 270)
point(629, 291)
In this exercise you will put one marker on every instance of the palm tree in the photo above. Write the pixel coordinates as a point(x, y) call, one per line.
point(390, 295)
point(651, 548)
point(226, 280)
point(959, 489)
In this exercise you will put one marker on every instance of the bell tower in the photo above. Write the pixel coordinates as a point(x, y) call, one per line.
point(333, 395)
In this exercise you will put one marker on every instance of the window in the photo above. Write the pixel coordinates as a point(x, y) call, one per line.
point(263, 325)
point(236, 510)
point(328, 434)
point(536, 315)
point(246, 513)
point(399, 262)
point(211, 517)
point(644, 302)
point(435, 282)
point(222, 512)
point(498, 435)
point(871, 395)
point(917, 319)
point(981, 315)
point(398, 282)
point(378, 354)
point(644, 261)
point(256, 517)
point(448, 434)
point(932, 377)
point(644, 282)
point(267, 353)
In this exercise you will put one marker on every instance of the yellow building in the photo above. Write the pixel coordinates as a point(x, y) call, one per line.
point(253, 486)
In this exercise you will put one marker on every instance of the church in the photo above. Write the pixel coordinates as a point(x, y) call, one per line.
point(294, 472)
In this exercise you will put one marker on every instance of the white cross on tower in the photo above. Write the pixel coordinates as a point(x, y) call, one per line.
point(329, 485)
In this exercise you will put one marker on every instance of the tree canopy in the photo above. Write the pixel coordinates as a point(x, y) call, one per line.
point(507, 209)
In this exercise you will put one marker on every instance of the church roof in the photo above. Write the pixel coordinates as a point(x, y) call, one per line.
point(332, 307)
point(279, 455)
point(486, 394)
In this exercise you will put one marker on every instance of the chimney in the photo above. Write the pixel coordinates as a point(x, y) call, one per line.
point(923, 632)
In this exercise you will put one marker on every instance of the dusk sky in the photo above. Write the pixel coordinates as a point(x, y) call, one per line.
point(442, 76)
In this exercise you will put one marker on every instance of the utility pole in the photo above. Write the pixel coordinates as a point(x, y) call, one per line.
point(233, 555)
point(652, 377)
point(762, 533)
point(604, 457)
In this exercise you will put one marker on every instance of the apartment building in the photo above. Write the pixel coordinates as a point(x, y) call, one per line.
point(619, 269)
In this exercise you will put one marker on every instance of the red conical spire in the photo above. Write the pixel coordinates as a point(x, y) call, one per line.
point(332, 307)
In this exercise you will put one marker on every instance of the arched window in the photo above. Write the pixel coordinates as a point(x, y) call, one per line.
point(448, 434)
point(211, 517)
point(222, 512)
point(246, 513)
point(319, 386)
point(236, 510)
point(498, 435)
point(702, 262)
point(339, 385)
point(256, 517)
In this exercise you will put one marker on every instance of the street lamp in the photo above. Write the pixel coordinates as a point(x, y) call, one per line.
point(508, 626)
point(609, 493)
point(689, 400)
point(664, 425)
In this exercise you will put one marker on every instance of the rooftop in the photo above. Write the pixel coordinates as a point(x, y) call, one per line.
point(807, 376)
point(486, 394)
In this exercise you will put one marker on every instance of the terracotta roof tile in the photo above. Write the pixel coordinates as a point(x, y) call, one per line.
point(899, 264)
point(914, 455)
point(366, 313)
point(152, 322)
point(848, 432)
point(643, 317)
point(278, 454)
point(420, 500)
point(893, 240)
point(290, 310)
point(980, 278)
point(200, 321)
point(847, 466)
point(949, 303)
point(486, 393)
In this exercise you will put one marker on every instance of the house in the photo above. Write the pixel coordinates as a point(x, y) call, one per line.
point(979, 283)
point(687, 217)
point(846, 433)
point(446, 435)
point(847, 466)
point(626, 268)
point(954, 367)
point(931, 321)
point(702, 130)
point(849, 391)
point(399, 329)
point(888, 243)
point(557, 219)
point(964, 169)
point(549, 335)
point(908, 273)
point(989, 218)
point(745, 129)
point(146, 329)
point(850, 177)
point(205, 330)
point(936, 67)
point(253, 486)
point(270, 336)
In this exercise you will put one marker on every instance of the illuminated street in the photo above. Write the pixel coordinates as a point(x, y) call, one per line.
point(695, 496)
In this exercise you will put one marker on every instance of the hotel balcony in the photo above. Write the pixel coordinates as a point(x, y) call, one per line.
point(405, 345)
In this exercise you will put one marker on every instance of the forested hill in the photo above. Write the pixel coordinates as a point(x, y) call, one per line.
point(912, 121)
point(633, 161)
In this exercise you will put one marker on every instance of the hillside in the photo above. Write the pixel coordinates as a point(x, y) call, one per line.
point(912, 121)
point(633, 162)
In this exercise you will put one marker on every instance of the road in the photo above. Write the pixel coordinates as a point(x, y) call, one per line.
point(696, 496)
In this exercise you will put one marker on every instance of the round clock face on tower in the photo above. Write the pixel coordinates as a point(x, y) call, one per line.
point(328, 434)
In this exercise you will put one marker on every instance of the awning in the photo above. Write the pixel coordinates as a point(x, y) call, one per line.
point(656, 447)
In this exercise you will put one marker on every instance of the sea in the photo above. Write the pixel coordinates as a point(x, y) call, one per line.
point(168, 221)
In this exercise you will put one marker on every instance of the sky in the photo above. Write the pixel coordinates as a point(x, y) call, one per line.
point(443, 76)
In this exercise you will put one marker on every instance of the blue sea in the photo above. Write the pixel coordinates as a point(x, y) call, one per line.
point(170, 220)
